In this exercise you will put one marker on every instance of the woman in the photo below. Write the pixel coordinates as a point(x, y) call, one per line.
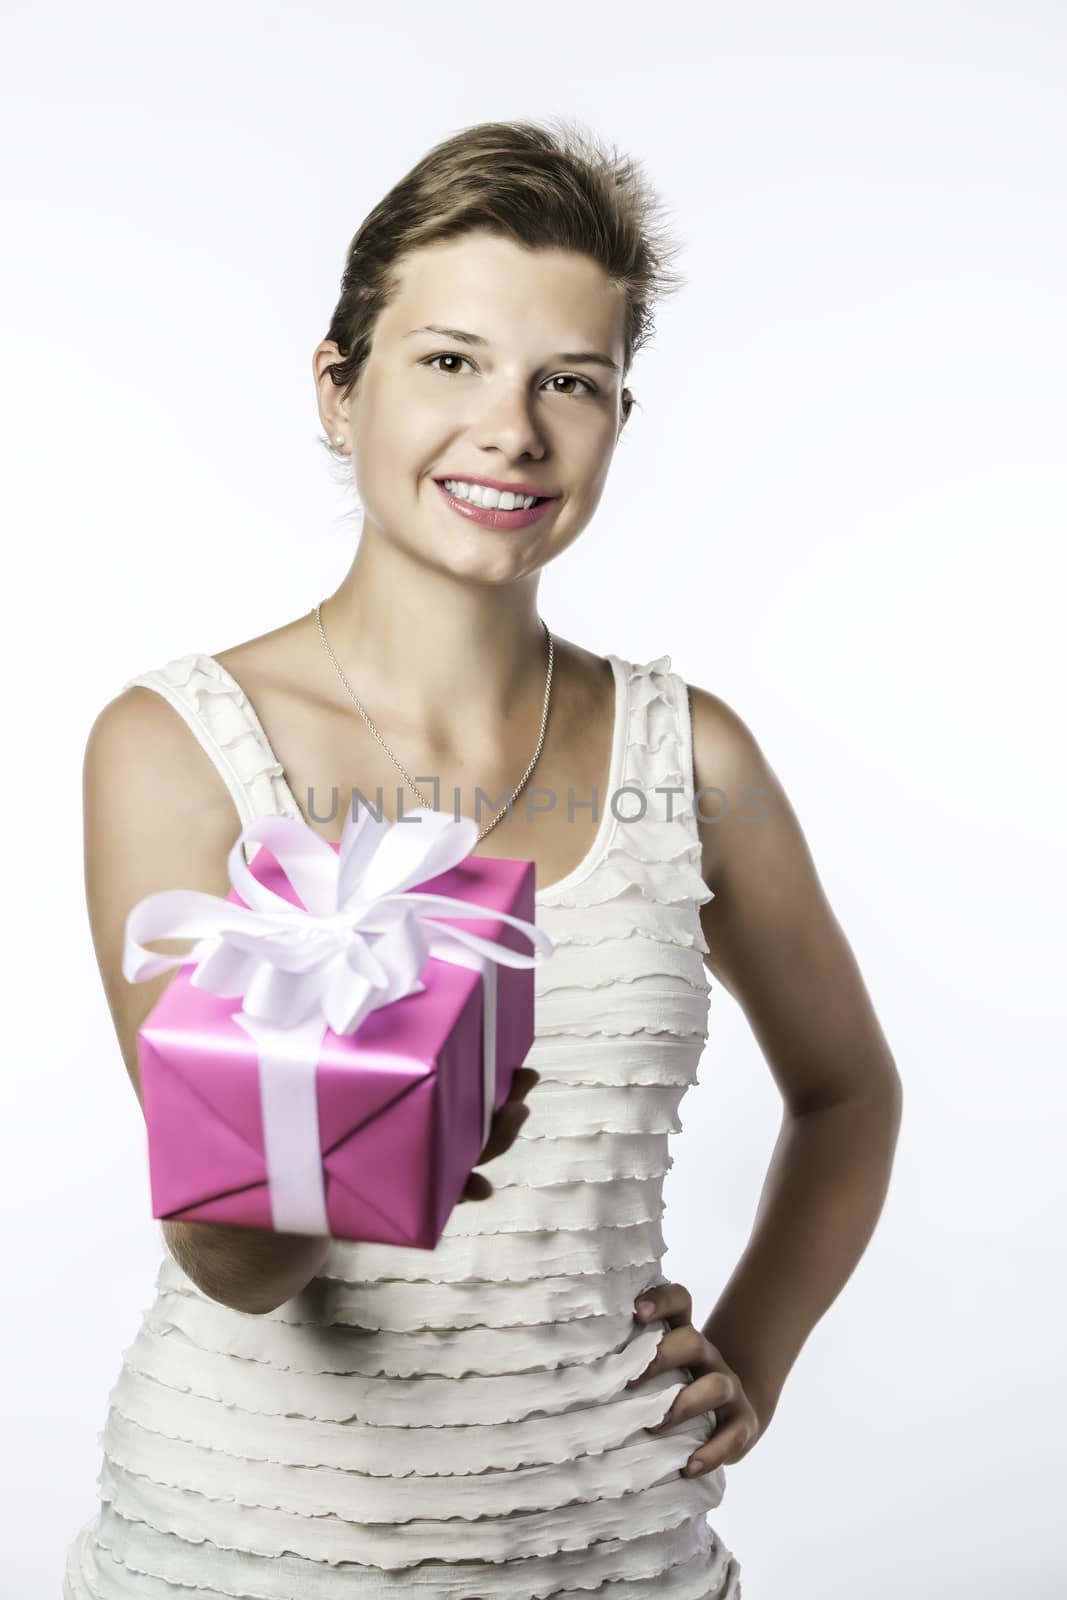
point(530, 1409)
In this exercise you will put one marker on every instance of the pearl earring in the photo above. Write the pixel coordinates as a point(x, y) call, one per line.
point(338, 438)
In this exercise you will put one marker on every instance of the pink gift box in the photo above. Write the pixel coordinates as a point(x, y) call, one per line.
point(400, 1100)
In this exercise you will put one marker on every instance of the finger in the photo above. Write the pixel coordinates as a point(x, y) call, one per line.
point(678, 1347)
point(478, 1187)
point(704, 1394)
point(503, 1131)
point(679, 1351)
point(728, 1444)
point(505, 1126)
point(670, 1302)
point(523, 1081)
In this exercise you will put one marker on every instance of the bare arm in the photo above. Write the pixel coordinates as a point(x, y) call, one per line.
point(775, 945)
point(158, 816)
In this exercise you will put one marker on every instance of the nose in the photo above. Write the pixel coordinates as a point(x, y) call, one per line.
point(507, 423)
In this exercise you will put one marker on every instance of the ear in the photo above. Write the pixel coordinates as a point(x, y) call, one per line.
point(627, 407)
point(332, 410)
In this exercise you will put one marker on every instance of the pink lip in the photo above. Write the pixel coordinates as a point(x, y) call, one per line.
point(493, 517)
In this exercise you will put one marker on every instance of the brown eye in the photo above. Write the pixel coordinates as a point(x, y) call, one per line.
point(572, 377)
point(448, 355)
point(590, 389)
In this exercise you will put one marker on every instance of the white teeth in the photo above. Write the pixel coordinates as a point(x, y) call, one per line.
point(479, 495)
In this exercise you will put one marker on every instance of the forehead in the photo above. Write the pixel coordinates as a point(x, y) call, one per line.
point(498, 288)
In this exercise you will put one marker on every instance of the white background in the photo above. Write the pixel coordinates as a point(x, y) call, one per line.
point(849, 465)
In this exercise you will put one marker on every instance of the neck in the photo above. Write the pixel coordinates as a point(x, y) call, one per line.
point(449, 665)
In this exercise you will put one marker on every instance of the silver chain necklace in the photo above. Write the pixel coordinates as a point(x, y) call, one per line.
point(392, 757)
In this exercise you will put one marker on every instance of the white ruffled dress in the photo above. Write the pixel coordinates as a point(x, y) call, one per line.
point(456, 1422)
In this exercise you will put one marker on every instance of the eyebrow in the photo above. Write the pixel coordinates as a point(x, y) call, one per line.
point(591, 357)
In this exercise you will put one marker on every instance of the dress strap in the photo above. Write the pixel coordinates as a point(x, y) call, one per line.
point(648, 873)
point(662, 840)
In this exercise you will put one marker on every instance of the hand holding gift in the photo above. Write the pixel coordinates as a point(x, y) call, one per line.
point(331, 1055)
point(503, 1131)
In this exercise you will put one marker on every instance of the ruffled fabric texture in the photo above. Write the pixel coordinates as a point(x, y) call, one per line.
point(457, 1421)
point(228, 728)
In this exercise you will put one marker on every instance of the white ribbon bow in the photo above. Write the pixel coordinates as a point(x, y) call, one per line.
point(360, 941)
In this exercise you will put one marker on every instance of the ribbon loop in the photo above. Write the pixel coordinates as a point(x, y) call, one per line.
point(358, 941)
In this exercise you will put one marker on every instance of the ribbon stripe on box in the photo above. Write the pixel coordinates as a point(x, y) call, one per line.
point(356, 943)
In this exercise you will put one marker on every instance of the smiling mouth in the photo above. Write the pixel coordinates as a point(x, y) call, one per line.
point(495, 516)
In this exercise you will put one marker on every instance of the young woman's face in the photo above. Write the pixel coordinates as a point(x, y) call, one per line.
point(519, 407)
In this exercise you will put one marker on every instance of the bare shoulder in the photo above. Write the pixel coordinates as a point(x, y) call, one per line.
point(590, 675)
point(735, 784)
point(270, 661)
point(139, 746)
point(156, 815)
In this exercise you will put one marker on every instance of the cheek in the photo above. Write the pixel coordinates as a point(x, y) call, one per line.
point(414, 443)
